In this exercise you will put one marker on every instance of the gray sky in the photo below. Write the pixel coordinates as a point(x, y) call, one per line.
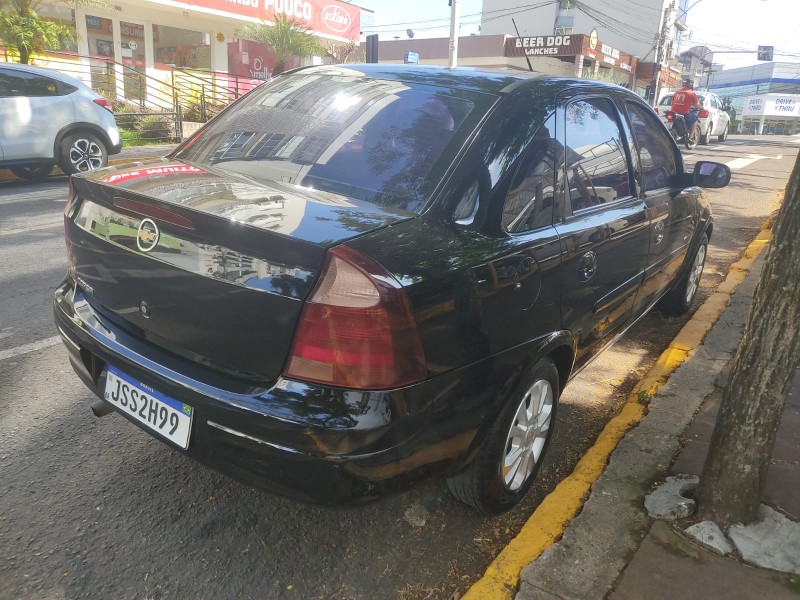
point(720, 24)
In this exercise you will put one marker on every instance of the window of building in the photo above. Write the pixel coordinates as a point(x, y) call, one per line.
point(183, 48)
point(63, 15)
point(597, 170)
point(100, 36)
point(656, 154)
point(529, 203)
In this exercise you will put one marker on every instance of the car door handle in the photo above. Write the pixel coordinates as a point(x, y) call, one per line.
point(587, 266)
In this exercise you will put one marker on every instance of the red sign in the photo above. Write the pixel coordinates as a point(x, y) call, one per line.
point(330, 17)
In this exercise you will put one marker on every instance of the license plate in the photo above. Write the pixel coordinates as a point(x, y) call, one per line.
point(164, 415)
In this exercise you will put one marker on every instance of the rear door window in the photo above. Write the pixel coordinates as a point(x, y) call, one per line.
point(15, 83)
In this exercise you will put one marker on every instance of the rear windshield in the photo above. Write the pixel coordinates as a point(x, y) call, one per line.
point(667, 100)
point(383, 141)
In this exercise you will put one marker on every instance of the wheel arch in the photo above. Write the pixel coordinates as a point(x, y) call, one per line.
point(79, 127)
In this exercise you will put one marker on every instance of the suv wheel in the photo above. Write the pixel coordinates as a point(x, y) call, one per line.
point(724, 135)
point(82, 152)
point(507, 463)
point(32, 173)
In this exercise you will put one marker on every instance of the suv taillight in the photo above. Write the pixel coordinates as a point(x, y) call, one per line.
point(702, 113)
point(357, 329)
point(105, 103)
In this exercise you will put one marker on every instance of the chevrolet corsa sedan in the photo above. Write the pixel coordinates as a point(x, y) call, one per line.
point(357, 279)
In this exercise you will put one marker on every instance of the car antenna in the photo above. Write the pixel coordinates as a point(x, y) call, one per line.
point(528, 60)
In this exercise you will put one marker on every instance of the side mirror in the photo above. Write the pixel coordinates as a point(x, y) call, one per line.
point(710, 174)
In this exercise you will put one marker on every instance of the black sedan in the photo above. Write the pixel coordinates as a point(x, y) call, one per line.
point(357, 279)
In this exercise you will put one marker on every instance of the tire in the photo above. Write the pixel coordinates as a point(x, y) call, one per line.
point(679, 300)
point(82, 152)
point(691, 142)
point(32, 173)
point(483, 485)
point(724, 136)
point(704, 137)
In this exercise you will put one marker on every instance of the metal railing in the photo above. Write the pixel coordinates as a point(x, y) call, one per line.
point(181, 94)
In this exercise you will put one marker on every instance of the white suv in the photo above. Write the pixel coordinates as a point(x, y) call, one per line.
point(712, 120)
point(47, 117)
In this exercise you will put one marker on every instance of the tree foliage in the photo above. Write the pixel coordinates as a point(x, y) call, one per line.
point(287, 38)
point(25, 33)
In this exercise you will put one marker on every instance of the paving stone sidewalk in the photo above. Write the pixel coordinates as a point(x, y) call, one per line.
point(613, 549)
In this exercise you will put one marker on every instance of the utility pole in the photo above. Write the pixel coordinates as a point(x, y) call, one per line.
point(453, 59)
point(661, 43)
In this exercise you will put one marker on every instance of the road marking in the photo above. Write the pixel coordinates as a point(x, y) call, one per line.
point(28, 348)
point(741, 163)
point(34, 228)
point(551, 518)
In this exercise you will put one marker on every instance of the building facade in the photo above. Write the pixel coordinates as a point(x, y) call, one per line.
point(742, 83)
point(646, 29)
point(154, 38)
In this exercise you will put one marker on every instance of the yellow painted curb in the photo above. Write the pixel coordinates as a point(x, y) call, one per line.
point(548, 522)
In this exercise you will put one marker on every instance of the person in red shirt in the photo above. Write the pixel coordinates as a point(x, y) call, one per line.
point(682, 102)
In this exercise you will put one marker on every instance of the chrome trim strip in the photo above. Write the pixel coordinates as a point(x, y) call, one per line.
point(65, 338)
point(251, 438)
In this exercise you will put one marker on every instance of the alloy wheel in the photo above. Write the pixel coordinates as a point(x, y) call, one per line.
point(85, 155)
point(695, 273)
point(527, 435)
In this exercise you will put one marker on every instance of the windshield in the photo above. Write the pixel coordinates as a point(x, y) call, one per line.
point(667, 100)
point(383, 141)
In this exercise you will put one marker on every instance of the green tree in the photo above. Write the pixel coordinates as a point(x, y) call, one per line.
point(286, 38)
point(24, 32)
point(727, 106)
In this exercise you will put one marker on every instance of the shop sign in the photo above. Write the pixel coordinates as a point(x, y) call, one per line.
point(570, 45)
point(774, 106)
point(131, 29)
point(93, 22)
point(330, 17)
point(552, 45)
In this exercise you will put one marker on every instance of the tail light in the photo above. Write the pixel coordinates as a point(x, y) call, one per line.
point(357, 329)
point(105, 103)
point(702, 114)
point(670, 115)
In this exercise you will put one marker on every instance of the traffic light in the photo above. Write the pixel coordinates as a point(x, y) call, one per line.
point(766, 52)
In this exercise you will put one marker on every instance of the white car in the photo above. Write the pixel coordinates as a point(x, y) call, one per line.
point(49, 118)
point(712, 120)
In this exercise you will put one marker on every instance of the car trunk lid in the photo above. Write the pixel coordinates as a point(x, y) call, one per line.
point(210, 265)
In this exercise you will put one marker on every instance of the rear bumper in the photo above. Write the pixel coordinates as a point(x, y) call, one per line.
point(320, 445)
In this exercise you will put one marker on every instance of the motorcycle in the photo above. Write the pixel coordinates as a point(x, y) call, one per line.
point(677, 127)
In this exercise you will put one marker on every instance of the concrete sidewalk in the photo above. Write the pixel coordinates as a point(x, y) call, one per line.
point(614, 549)
point(128, 154)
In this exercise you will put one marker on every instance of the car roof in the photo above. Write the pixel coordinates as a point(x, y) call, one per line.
point(62, 77)
point(477, 79)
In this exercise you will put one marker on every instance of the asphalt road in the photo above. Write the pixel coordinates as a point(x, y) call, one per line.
point(96, 508)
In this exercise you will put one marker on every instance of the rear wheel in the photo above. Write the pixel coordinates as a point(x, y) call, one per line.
point(32, 173)
point(506, 465)
point(704, 136)
point(679, 300)
point(82, 152)
point(691, 140)
point(724, 135)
